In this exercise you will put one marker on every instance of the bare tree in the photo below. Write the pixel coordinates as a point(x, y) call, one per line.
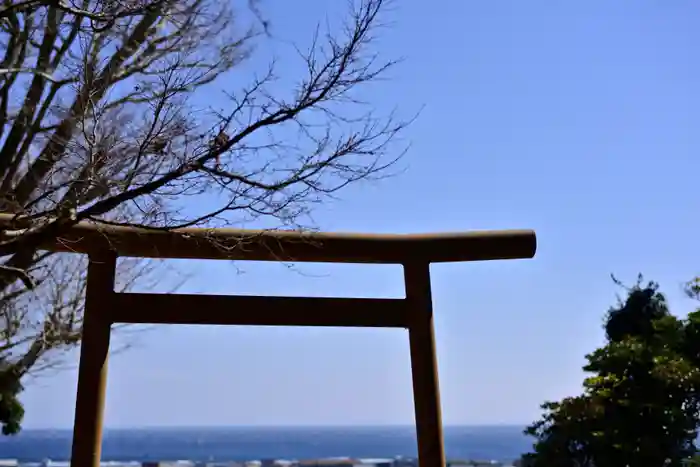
point(99, 122)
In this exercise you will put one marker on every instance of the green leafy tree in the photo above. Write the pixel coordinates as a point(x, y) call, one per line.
point(640, 404)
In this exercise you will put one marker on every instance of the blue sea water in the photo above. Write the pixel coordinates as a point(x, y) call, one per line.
point(503, 443)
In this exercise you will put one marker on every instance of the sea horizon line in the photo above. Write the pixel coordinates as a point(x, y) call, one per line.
point(282, 426)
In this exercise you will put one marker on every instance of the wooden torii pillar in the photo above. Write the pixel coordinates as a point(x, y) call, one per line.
point(104, 306)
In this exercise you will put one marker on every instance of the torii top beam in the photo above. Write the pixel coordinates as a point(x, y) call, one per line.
point(281, 245)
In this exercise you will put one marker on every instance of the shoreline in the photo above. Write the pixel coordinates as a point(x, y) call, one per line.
point(398, 461)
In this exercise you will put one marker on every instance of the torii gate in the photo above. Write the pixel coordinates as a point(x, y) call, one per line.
point(104, 306)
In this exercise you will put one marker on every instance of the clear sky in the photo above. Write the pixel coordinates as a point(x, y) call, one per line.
point(577, 119)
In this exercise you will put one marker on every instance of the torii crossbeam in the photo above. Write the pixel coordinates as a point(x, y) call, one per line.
point(104, 307)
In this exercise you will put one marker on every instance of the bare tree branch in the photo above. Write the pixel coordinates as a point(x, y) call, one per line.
point(99, 120)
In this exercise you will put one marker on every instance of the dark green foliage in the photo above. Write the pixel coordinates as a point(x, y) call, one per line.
point(640, 406)
point(11, 409)
point(635, 317)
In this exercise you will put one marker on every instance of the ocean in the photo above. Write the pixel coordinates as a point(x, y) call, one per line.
point(501, 443)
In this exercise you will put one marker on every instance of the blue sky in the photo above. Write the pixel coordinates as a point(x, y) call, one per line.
point(576, 119)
